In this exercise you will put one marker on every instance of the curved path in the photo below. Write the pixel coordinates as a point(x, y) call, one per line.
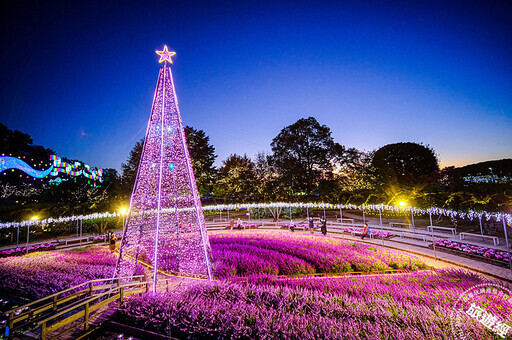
point(439, 260)
point(443, 259)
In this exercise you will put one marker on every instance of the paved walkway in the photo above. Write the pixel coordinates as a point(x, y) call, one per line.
point(439, 259)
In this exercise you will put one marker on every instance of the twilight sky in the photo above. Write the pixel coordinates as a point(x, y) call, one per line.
point(79, 76)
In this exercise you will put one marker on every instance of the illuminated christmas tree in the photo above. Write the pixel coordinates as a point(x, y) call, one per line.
point(165, 226)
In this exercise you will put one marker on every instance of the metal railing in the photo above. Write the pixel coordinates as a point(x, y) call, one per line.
point(52, 304)
point(88, 310)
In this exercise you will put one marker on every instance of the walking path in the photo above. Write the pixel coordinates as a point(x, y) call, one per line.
point(439, 259)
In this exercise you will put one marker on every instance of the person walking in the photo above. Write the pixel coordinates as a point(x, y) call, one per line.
point(311, 225)
point(323, 226)
point(232, 224)
point(366, 229)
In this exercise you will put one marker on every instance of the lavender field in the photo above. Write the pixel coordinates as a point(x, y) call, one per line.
point(265, 288)
point(256, 253)
point(39, 274)
point(411, 306)
point(264, 292)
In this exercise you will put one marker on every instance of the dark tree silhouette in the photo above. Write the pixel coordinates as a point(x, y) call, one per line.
point(404, 164)
point(237, 178)
point(203, 156)
point(304, 153)
point(129, 169)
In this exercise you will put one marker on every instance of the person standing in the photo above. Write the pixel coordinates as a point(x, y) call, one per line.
point(311, 225)
point(232, 224)
point(112, 243)
point(323, 226)
point(366, 229)
point(239, 223)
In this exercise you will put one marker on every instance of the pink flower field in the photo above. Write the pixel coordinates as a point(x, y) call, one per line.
point(265, 289)
point(475, 250)
point(43, 273)
point(250, 253)
point(411, 306)
point(265, 292)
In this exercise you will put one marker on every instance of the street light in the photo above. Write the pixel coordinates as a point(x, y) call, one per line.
point(123, 212)
point(403, 204)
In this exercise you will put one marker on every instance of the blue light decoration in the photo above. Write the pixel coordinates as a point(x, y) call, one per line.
point(7, 163)
point(76, 169)
point(58, 167)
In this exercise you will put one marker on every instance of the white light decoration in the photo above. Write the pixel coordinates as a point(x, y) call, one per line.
point(221, 207)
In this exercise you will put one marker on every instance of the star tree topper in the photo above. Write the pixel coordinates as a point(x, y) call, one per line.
point(165, 55)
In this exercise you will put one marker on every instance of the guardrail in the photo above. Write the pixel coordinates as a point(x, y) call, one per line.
point(35, 310)
point(341, 275)
point(86, 309)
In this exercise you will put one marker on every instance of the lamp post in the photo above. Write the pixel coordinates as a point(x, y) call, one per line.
point(403, 204)
point(123, 212)
point(433, 241)
point(506, 241)
point(481, 229)
point(412, 220)
point(381, 229)
point(33, 218)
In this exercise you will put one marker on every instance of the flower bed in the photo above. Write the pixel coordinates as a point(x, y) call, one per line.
point(40, 274)
point(103, 238)
point(484, 252)
point(244, 226)
point(277, 253)
point(410, 306)
point(303, 226)
point(23, 250)
point(376, 234)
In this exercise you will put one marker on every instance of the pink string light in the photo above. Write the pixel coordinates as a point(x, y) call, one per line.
point(165, 227)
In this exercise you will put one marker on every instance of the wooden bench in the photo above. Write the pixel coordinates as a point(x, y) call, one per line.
point(75, 240)
point(432, 227)
point(411, 235)
point(495, 239)
point(360, 233)
point(408, 225)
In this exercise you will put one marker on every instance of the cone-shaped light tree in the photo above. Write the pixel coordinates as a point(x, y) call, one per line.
point(165, 227)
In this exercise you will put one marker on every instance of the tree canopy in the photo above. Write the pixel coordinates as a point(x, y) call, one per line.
point(304, 153)
point(202, 154)
point(404, 163)
point(237, 178)
point(130, 168)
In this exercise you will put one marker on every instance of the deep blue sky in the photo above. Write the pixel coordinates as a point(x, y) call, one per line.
point(79, 76)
